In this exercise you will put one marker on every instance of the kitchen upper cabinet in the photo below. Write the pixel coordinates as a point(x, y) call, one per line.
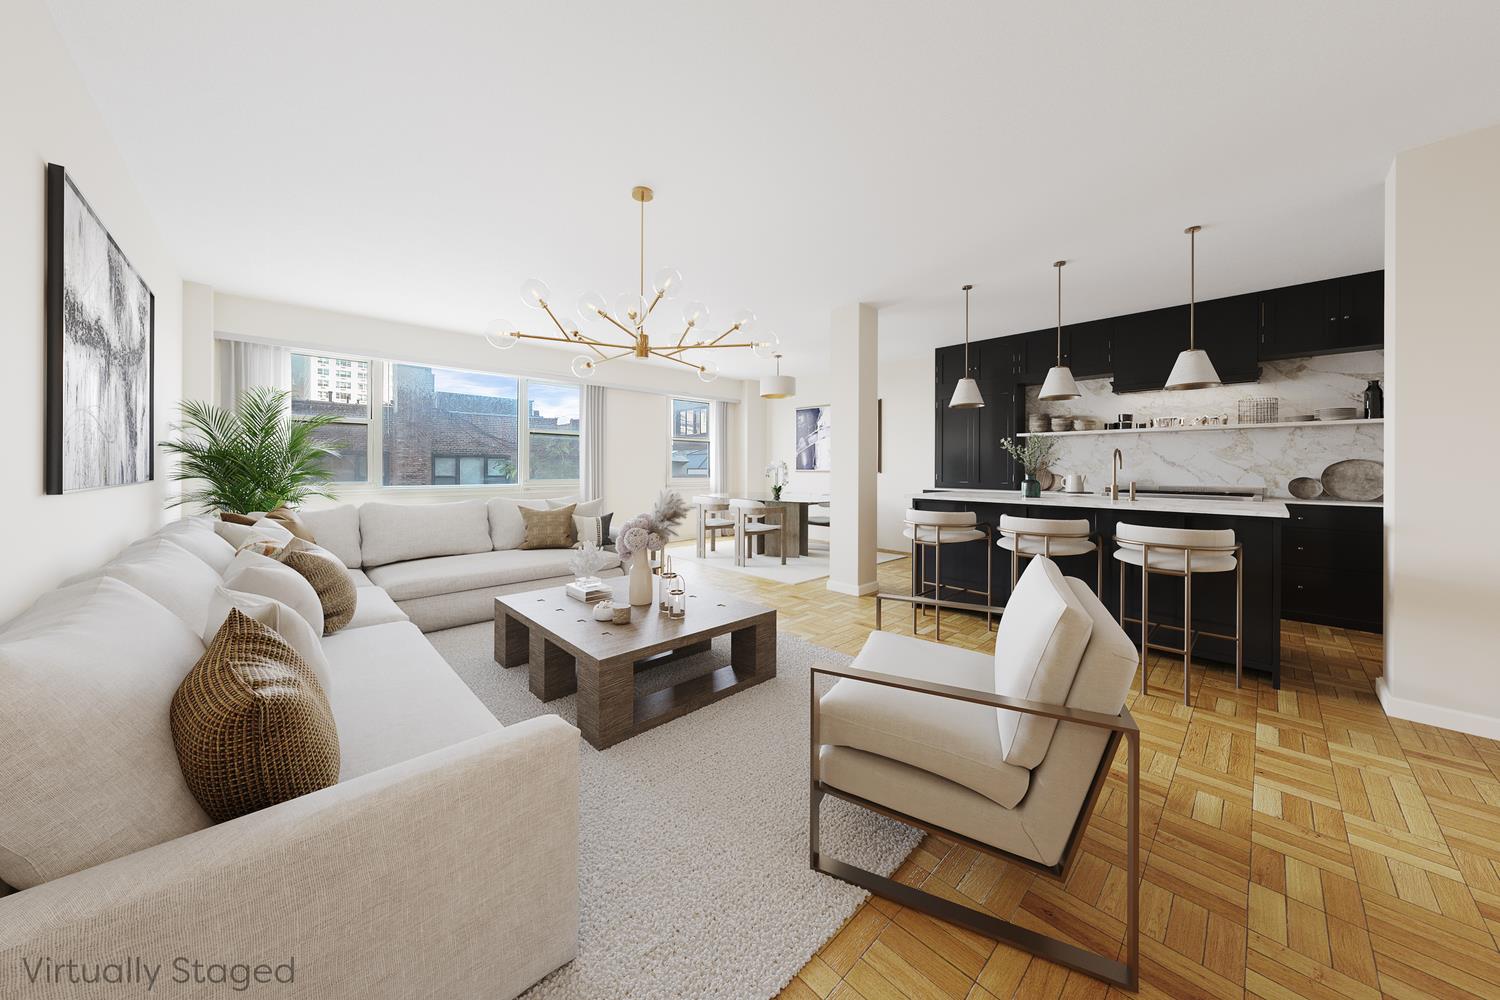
point(1323, 317)
point(1086, 348)
point(1039, 353)
point(1228, 329)
point(1145, 345)
point(968, 452)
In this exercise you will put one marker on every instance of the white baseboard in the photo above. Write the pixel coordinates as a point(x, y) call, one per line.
point(853, 589)
point(1437, 715)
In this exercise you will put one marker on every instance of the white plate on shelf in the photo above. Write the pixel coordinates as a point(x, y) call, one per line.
point(1337, 413)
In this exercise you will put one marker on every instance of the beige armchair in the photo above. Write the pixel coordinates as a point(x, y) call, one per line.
point(1005, 754)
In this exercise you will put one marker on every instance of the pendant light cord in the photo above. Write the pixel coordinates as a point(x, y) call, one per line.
point(643, 258)
point(967, 288)
point(1059, 267)
point(1192, 288)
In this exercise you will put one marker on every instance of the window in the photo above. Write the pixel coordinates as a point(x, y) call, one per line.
point(689, 447)
point(313, 394)
point(552, 425)
point(443, 427)
point(399, 424)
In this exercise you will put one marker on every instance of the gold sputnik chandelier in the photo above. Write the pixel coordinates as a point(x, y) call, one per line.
point(622, 328)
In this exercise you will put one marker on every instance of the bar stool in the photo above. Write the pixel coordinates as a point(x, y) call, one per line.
point(1182, 552)
point(750, 523)
point(934, 529)
point(1025, 537)
point(712, 519)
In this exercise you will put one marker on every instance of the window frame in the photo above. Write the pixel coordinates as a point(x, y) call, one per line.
point(673, 438)
point(380, 373)
point(369, 421)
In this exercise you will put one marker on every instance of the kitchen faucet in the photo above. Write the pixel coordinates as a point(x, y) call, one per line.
point(1115, 465)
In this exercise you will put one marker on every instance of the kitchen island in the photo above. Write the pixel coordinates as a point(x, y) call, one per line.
point(1257, 525)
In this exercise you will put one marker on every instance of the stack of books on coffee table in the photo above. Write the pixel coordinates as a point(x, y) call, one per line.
point(588, 591)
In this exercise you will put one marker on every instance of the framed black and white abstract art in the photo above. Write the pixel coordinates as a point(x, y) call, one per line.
point(101, 332)
point(814, 449)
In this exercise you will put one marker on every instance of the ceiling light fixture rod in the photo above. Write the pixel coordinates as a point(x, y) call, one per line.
point(1192, 232)
point(1059, 266)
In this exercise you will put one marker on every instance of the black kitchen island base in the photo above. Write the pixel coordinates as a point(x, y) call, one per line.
point(1258, 529)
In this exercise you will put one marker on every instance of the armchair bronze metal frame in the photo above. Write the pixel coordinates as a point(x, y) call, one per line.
point(1126, 974)
point(1190, 635)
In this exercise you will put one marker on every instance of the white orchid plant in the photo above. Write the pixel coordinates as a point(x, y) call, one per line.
point(777, 473)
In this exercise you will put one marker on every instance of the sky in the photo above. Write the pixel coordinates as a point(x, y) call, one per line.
point(559, 401)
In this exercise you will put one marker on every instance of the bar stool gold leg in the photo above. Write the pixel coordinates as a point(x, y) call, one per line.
point(1145, 613)
point(1187, 624)
point(937, 587)
point(1239, 616)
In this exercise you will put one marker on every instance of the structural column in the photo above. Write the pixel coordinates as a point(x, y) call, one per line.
point(853, 381)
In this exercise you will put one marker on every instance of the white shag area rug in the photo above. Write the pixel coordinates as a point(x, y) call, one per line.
point(802, 569)
point(693, 877)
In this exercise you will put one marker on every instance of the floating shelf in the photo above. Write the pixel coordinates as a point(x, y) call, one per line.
point(1213, 427)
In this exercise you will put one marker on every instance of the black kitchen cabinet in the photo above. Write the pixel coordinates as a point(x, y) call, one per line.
point(1332, 560)
point(1039, 354)
point(1323, 317)
point(1145, 346)
point(1086, 348)
point(1228, 330)
point(968, 441)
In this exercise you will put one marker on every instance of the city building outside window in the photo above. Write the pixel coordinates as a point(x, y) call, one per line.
point(688, 448)
point(316, 392)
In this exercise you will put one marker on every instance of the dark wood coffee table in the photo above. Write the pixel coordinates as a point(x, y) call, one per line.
point(568, 651)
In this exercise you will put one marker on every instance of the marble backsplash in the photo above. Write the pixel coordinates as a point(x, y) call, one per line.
point(1237, 456)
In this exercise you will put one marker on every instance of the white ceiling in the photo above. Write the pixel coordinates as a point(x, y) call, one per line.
point(417, 161)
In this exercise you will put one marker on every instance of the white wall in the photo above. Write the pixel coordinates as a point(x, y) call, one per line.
point(905, 390)
point(1442, 562)
point(47, 116)
point(636, 408)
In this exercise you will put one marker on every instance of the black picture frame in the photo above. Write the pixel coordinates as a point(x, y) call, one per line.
point(59, 185)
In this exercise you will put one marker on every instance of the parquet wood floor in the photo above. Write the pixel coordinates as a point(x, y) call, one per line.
point(1295, 843)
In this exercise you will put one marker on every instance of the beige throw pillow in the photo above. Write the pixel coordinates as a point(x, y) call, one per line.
point(278, 618)
point(288, 519)
point(251, 724)
point(254, 573)
point(549, 529)
point(329, 578)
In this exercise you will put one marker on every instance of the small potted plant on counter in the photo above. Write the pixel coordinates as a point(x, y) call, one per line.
point(1032, 455)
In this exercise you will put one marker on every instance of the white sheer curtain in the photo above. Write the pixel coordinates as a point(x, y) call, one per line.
point(718, 448)
point(591, 442)
point(241, 365)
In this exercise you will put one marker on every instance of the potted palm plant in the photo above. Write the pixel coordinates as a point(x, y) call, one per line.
point(1032, 455)
point(254, 457)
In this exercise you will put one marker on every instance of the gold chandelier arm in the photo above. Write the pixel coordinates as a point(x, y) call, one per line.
point(685, 331)
point(712, 346)
point(715, 341)
point(585, 341)
point(632, 334)
point(616, 357)
point(673, 357)
point(652, 307)
point(569, 335)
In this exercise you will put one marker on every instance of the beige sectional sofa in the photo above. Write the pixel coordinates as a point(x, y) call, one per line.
point(443, 863)
point(443, 564)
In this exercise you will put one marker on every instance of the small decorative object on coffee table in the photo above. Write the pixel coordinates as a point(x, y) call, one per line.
point(647, 533)
point(566, 652)
point(1034, 454)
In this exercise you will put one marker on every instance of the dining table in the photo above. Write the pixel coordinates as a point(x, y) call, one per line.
point(795, 506)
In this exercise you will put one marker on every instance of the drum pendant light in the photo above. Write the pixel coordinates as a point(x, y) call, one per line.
point(1193, 370)
point(966, 394)
point(1059, 383)
point(777, 386)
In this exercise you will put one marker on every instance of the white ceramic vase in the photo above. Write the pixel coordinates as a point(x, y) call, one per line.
point(640, 578)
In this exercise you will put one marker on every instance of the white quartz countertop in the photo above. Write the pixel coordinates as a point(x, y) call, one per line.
point(1159, 505)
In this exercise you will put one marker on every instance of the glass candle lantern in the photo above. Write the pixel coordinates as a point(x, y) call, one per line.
point(669, 582)
point(677, 604)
